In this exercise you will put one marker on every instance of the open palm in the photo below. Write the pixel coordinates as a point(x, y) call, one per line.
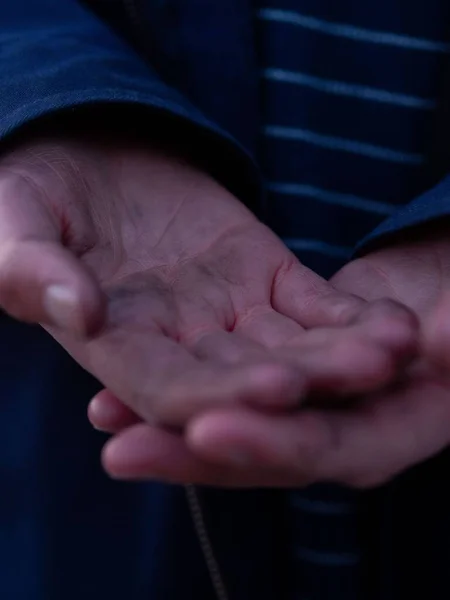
point(364, 443)
point(205, 306)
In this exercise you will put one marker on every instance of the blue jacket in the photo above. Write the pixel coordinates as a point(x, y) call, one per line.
point(66, 530)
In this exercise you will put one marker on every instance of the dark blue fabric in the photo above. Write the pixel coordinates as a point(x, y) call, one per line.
point(346, 114)
point(56, 56)
point(347, 120)
point(69, 532)
point(430, 206)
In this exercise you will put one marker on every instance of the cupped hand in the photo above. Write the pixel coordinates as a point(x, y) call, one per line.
point(363, 444)
point(167, 289)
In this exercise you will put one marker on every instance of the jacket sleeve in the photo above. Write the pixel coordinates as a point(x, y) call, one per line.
point(56, 56)
point(430, 206)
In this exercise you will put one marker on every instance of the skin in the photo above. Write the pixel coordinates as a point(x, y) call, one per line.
point(362, 444)
point(167, 289)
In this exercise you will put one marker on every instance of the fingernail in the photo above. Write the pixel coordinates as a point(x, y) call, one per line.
point(63, 308)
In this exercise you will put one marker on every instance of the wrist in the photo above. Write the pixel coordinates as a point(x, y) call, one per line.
point(119, 125)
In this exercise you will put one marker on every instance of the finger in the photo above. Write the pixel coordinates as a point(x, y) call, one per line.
point(107, 413)
point(340, 362)
point(362, 356)
point(358, 357)
point(234, 349)
point(249, 439)
point(145, 452)
point(160, 380)
point(333, 361)
point(384, 322)
point(301, 295)
point(364, 447)
point(40, 280)
point(389, 323)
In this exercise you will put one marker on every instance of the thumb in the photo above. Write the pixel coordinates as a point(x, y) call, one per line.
point(41, 281)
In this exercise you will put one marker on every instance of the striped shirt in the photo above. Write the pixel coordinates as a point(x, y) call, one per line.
point(349, 95)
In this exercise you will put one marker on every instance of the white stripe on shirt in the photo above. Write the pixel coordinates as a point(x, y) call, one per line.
point(341, 88)
point(352, 32)
point(343, 145)
point(328, 197)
